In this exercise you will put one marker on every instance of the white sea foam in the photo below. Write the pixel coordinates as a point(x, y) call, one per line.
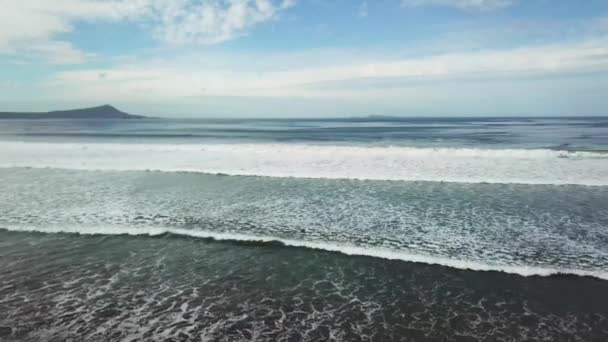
point(466, 165)
point(376, 252)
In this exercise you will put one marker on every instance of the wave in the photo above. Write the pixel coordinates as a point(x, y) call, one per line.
point(463, 165)
point(351, 250)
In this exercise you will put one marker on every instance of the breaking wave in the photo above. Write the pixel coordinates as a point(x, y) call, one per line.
point(464, 165)
point(352, 250)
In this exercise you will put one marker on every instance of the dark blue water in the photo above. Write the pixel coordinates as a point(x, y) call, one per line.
point(574, 133)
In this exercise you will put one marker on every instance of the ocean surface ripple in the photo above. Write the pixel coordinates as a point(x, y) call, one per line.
point(521, 229)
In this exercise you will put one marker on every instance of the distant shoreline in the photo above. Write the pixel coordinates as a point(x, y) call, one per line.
point(99, 113)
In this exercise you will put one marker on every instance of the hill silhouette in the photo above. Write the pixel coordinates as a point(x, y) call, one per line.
point(99, 112)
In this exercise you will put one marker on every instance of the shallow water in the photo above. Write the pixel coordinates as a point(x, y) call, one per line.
point(520, 229)
point(133, 288)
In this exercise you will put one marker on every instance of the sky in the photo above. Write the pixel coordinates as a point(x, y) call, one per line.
point(306, 58)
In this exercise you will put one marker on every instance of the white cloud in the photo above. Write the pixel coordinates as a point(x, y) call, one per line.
point(59, 52)
point(211, 21)
point(172, 82)
point(462, 4)
point(363, 9)
point(27, 21)
point(37, 25)
point(288, 3)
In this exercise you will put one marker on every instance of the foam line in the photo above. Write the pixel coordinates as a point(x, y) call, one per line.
point(464, 165)
point(383, 253)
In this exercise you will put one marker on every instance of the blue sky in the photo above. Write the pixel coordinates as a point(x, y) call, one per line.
point(282, 58)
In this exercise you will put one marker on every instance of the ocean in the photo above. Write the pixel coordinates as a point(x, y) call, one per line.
point(354, 229)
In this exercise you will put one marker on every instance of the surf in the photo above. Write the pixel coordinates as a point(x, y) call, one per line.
point(344, 249)
point(397, 163)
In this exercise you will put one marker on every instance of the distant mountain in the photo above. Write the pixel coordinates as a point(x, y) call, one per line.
point(100, 112)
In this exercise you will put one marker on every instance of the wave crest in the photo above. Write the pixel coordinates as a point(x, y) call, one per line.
point(352, 250)
point(464, 165)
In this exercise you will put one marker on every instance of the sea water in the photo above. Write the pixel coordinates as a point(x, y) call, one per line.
point(319, 229)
